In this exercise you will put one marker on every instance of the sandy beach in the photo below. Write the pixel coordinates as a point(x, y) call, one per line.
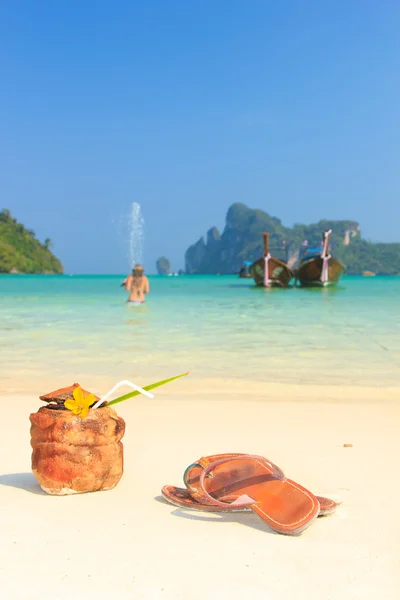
point(129, 543)
point(200, 199)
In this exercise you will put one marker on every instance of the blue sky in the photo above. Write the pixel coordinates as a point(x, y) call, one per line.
point(186, 107)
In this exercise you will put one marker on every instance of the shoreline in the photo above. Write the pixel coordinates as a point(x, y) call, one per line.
point(231, 389)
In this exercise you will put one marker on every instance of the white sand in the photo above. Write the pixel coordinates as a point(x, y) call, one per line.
point(129, 544)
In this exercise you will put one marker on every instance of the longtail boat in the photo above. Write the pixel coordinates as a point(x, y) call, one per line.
point(318, 268)
point(270, 271)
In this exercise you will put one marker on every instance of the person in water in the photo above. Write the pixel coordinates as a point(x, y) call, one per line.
point(137, 285)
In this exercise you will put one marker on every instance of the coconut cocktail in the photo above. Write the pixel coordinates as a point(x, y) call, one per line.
point(76, 439)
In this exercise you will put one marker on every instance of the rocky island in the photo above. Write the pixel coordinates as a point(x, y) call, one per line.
point(163, 266)
point(21, 252)
point(241, 240)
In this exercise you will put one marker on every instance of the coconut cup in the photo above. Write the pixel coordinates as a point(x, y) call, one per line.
point(71, 455)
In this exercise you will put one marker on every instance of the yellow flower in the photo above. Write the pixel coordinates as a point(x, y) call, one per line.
point(80, 404)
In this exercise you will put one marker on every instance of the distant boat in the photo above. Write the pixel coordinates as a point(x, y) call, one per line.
point(318, 268)
point(245, 270)
point(270, 271)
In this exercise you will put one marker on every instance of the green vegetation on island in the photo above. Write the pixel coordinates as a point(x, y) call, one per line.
point(21, 252)
point(241, 241)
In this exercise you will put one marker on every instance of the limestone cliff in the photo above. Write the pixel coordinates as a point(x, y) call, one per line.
point(163, 266)
point(241, 240)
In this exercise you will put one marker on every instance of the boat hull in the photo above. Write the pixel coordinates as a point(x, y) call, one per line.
point(309, 272)
point(279, 274)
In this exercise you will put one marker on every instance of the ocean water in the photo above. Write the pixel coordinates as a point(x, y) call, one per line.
point(63, 328)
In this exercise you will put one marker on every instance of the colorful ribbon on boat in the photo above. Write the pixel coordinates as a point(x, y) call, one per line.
point(325, 258)
point(267, 280)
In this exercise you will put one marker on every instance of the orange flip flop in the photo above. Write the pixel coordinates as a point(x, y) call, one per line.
point(219, 486)
point(285, 506)
point(256, 483)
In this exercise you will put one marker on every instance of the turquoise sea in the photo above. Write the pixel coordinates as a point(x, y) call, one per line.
point(68, 328)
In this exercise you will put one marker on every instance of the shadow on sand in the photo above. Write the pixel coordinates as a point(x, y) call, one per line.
point(22, 481)
point(249, 519)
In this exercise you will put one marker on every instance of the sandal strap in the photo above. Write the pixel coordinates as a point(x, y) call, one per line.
point(243, 500)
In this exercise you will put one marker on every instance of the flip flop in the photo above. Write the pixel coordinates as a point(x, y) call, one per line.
point(285, 506)
point(219, 485)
